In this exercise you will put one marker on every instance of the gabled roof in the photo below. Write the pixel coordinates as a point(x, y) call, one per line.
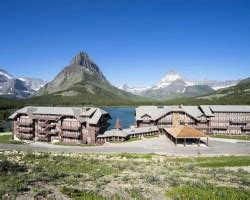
point(146, 115)
point(157, 112)
point(184, 132)
point(131, 131)
point(128, 131)
point(153, 111)
point(193, 111)
point(93, 114)
point(113, 133)
point(206, 110)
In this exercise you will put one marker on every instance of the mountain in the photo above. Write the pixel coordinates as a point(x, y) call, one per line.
point(134, 90)
point(238, 93)
point(174, 86)
point(12, 87)
point(33, 83)
point(84, 80)
point(215, 84)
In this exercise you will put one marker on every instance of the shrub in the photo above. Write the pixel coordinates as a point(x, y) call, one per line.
point(207, 192)
point(78, 194)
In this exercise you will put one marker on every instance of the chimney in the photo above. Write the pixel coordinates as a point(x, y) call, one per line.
point(117, 124)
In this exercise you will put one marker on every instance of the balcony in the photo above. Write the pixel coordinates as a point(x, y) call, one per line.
point(73, 128)
point(43, 125)
point(238, 122)
point(51, 125)
point(246, 128)
point(24, 130)
point(24, 123)
point(219, 127)
point(71, 135)
point(42, 132)
point(45, 132)
point(25, 136)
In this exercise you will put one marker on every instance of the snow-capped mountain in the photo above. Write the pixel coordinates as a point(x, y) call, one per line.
point(174, 85)
point(135, 90)
point(215, 84)
point(170, 77)
point(17, 87)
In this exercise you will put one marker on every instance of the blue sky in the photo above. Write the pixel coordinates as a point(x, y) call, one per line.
point(133, 41)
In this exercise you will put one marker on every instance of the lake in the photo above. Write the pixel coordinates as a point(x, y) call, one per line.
point(125, 114)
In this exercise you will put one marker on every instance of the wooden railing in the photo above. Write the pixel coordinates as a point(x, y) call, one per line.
point(26, 130)
point(246, 128)
point(238, 122)
point(24, 123)
point(71, 135)
point(45, 132)
point(74, 128)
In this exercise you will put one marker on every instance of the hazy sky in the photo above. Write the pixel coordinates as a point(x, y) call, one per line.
point(134, 42)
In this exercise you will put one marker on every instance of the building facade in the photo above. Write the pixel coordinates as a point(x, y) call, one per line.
point(62, 124)
point(210, 119)
point(117, 134)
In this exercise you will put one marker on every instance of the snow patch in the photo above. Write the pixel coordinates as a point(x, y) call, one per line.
point(184, 90)
point(6, 75)
point(224, 86)
point(22, 79)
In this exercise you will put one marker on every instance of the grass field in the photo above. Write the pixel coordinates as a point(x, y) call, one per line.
point(123, 176)
point(7, 139)
point(237, 137)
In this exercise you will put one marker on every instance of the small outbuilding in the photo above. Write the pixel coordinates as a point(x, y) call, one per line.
point(120, 135)
point(185, 134)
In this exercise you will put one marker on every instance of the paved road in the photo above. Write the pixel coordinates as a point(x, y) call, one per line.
point(160, 145)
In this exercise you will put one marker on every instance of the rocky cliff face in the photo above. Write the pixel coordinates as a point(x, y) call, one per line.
point(12, 87)
point(84, 79)
point(33, 84)
point(81, 69)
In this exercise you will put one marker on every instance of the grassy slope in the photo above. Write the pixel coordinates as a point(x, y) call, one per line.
point(124, 176)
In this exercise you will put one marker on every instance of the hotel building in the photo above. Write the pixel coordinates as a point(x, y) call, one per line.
point(59, 124)
point(210, 119)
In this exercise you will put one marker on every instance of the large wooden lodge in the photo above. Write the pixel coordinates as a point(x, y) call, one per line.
point(210, 119)
point(62, 124)
point(89, 125)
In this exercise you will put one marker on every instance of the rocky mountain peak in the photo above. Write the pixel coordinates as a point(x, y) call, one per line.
point(82, 59)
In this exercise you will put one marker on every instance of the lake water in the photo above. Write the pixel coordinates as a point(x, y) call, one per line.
point(126, 116)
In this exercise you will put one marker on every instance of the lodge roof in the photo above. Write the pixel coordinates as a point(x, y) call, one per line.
point(83, 114)
point(156, 112)
point(128, 131)
point(184, 132)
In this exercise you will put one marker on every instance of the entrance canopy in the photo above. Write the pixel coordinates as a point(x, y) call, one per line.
point(184, 132)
